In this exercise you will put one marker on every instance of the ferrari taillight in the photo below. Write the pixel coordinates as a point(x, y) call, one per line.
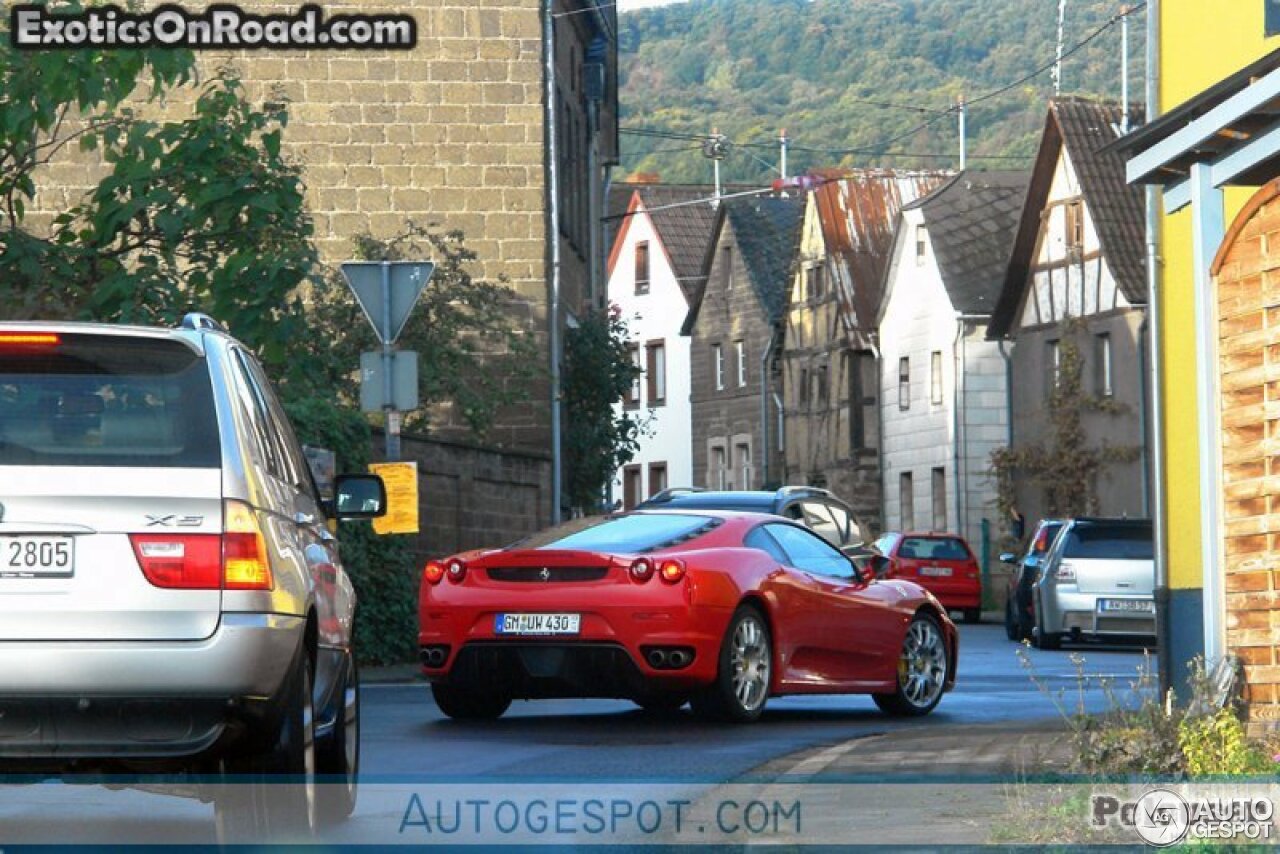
point(433, 572)
point(671, 571)
point(457, 570)
point(641, 570)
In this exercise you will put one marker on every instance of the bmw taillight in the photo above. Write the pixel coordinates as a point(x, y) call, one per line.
point(433, 572)
point(180, 561)
point(29, 339)
point(244, 551)
point(641, 570)
point(671, 571)
point(234, 560)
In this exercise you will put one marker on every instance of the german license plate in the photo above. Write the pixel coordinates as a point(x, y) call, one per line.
point(37, 557)
point(537, 624)
point(936, 571)
point(1140, 606)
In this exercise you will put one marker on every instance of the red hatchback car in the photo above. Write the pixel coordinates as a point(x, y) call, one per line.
point(941, 563)
point(717, 608)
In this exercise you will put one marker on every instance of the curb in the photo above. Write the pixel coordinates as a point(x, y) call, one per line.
point(395, 674)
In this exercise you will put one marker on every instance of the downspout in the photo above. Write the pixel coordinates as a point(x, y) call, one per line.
point(1153, 318)
point(1008, 390)
point(957, 392)
point(764, 407)
point(553, 201)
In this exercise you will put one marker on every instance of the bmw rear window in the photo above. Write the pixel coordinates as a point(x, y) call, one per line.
point(1114, 542)
point(631, 534)
point(106, 400)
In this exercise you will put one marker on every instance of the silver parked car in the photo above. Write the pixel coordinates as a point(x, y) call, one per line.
point(1097, 582)
point(171, 599)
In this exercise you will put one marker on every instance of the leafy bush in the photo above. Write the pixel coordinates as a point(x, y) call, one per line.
point(382, 568)
point(1216, 744)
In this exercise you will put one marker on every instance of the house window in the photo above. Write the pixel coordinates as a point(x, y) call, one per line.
point(906, 501)
point(814, 285)
point(939, 499)
point(1075, 225)
point(1102, 363)
point(740, 350)
point(657, 478)
point(717, 355)
point(633, 396)
point(1272, 13)
point(1052, 366)
point(742, 464)
point(630, 487)
point(922, 247)
point(822, 385)
point(904, 382)
point(719, 468)
point(935, 378)
point(642, 267)
point(656, 372)
point(803, 389)
point(726, 267)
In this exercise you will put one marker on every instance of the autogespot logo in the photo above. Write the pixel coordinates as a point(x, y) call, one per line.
point(1161, 818)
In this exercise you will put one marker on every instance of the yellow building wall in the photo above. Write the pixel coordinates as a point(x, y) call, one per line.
point(1200, 44)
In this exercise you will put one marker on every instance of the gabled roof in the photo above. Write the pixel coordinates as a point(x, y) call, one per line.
point(972, 220)
point(857, 215)
point(1087, 129)
point(683, 222)
point(767, 232)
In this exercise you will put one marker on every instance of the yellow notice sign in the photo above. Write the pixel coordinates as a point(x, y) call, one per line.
point(401, 480)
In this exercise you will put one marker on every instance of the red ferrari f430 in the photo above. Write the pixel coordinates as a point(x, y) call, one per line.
point(723, 610)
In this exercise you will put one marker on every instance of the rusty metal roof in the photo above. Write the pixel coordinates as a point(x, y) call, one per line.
point(858, 213)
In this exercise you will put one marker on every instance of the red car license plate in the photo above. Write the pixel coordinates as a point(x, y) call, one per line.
point(936, 571)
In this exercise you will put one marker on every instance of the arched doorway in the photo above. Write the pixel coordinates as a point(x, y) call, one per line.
point(1246, 275)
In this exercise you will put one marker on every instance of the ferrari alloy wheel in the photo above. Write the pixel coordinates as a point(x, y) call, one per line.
point(745, 672)
point(922, 670)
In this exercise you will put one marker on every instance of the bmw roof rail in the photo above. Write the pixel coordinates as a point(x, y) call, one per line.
point(200, 320)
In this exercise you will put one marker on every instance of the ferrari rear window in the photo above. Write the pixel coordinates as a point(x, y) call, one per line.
point(630, 534)
point(933, 548)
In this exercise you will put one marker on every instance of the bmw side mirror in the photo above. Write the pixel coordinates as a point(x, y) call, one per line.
point(359, 496)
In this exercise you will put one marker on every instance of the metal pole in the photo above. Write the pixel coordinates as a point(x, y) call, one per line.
point(553, 193)
point(782, 146)
point(1164, 660)
point(1057, 63)
point(391, 430)
point(962, 133)
point(1124, 69)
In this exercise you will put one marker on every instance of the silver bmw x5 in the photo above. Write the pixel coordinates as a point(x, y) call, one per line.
point(171, 598)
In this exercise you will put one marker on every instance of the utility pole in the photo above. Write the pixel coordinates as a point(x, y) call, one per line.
point(716, 148)
point(782, 153)
point(1124, 68)
point(960, 107)
point(1057, 64)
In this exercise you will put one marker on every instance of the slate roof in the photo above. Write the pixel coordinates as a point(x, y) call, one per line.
point(1087, 129)
point(972, 220)
point(684, 230)
point(857, 214)
point(767, 232)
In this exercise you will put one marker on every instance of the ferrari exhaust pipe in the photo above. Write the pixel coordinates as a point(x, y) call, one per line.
point(657, 658)
point(434, 656)
point(677, 658)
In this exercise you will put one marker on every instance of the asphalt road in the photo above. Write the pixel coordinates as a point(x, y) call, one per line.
point(587, 745)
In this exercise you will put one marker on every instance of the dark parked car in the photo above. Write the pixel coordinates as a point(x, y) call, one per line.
point(1019, 610)
point(816, 509)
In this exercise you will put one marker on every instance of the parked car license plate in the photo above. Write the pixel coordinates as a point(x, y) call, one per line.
point(938, 571)
point(537, 624)
point(1142, 606)
point(37, 557)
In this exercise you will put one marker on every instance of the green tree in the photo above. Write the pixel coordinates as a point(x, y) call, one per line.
point(598, 372)
point(197, 213)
